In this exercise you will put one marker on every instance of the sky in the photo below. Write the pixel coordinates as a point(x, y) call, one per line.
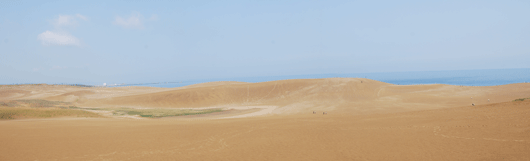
point(150, 41)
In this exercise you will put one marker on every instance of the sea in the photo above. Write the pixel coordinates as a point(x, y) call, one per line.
point(483, 77)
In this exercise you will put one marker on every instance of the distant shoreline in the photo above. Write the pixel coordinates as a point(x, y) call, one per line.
point(482, 77)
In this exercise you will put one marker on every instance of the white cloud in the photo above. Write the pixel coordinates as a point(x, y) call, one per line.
point(53, 38)
point(134, 21)
point(81, 17)
point(67, 20)
point(154, 17)
point(61, 23)
point(64, 20)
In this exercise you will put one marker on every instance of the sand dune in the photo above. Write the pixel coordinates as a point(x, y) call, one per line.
point(348, 95)
point(371, 120)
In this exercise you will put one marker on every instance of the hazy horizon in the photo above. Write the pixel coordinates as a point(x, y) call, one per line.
point(133, 42)
point(478, 77)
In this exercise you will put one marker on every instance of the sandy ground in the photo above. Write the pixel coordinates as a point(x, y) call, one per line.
point(263, 110)
point(273, 121)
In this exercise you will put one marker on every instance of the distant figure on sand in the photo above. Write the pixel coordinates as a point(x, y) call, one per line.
point(473, 104)
point(324, 113)
point(314, 112)
point(488, 100)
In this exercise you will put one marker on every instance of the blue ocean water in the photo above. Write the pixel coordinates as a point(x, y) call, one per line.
point(486, 77)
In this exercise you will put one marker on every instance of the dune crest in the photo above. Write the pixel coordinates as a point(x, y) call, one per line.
point(341, 95)
point(347, 95)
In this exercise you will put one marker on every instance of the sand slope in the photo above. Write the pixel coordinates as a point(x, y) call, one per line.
point(347, 95)
point(366, 121)
point(489, 132)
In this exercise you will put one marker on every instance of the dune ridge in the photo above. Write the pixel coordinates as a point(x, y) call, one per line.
point(347, 95)
point(344, 95)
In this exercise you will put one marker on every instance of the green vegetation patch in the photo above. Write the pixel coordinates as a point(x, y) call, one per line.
point(157, 113)
point(69, 107)
point(521, 99)
point(13, 113)
point(9, 104)
point(42, 103)
point(4, 116)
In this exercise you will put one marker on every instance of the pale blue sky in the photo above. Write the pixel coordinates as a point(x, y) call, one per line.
point(137, 41)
